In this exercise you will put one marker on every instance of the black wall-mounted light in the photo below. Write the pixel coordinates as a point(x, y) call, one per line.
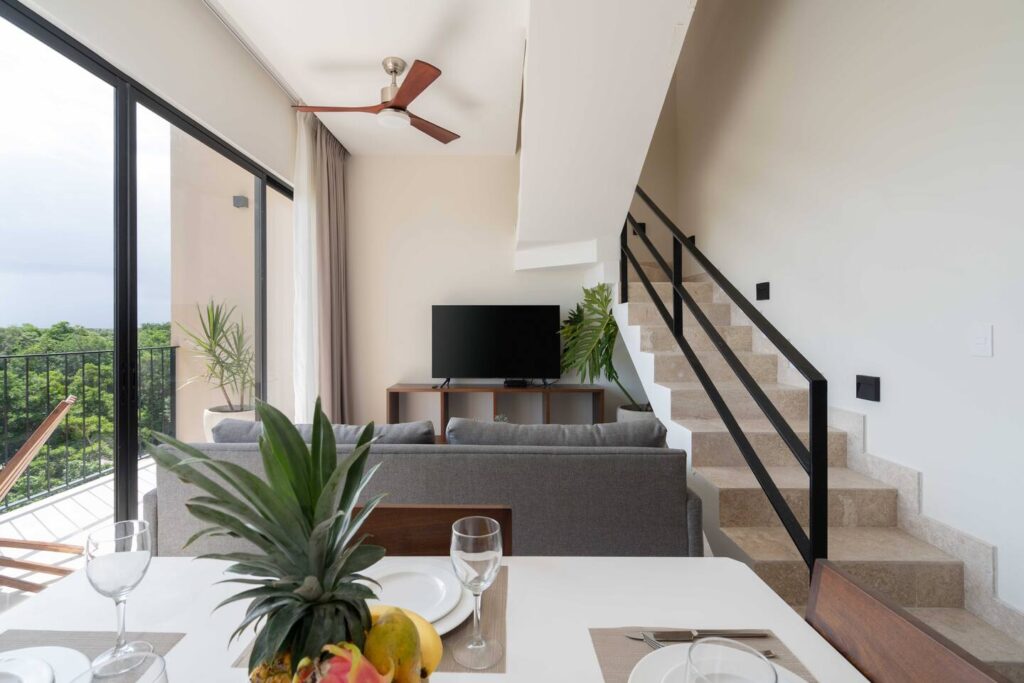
point(869, 388)
point(763, 291)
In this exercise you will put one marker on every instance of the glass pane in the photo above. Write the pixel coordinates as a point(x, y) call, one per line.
point(196, 253)
point(56, 288)
point(280, 303)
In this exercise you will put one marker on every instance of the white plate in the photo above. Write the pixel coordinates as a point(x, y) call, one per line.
point(462, 611)
point(63, 663)
point(668, 665)
point(427, 587)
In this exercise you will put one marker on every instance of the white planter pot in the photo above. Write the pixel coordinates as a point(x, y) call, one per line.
point(213, 416)
point(626, 414)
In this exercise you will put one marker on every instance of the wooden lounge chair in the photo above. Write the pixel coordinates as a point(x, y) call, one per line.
point(8, 476)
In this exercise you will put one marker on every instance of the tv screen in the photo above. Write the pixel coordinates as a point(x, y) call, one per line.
point(508, 342)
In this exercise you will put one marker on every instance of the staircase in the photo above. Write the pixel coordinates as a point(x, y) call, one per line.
point(863, 536)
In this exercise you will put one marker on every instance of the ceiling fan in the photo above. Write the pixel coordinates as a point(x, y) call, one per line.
point(393, 109)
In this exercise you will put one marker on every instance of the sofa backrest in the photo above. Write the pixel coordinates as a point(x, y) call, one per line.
point(565, 501)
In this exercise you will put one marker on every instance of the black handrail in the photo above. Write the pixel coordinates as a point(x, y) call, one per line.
point(812, 458)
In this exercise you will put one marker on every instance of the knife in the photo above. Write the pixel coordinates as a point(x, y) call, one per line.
point(690, 635)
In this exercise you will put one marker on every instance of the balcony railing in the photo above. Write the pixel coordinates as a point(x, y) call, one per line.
point(82, 448)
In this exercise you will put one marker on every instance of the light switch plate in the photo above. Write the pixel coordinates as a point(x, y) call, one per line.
point(981, 340)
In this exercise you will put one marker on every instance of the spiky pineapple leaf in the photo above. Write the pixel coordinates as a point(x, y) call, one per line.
point(301, 574)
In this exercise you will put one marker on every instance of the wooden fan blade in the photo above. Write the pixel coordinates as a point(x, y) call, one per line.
point(432, 129)
point(372, 109)
point(416, 81)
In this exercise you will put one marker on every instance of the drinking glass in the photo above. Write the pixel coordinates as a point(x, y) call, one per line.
point(476, 557)
point(117, 557)
point(149, 667)
point(720, 660)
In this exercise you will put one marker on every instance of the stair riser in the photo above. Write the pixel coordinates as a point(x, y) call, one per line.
point(653, 272)
point(846, 507)
point(659, 338)
point(717, 449)
point(644, 313)
point(702, 292)
point(694, 403)
point(675, 367)
point(911, 584)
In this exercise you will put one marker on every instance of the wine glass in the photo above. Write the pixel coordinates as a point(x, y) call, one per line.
point(117, 557)
point(149, 668)
point(711, 660)
point(476, 557)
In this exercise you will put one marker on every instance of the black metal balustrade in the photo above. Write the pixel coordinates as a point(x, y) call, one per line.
point(813, 458)
point(82, 448)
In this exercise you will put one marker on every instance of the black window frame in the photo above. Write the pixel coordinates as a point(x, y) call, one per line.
point(128, 94)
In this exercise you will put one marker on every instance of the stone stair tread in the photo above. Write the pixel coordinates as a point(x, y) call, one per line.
point(751, 425)
point(702, 351)
point(845, 544)
point(788, 478)
point(973, 634)
point(733, 386)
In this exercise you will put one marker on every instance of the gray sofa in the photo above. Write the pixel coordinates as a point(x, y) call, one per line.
point(613, 501)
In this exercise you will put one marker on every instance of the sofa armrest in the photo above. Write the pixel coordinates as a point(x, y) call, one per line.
point(149, 513)
point(694, 524)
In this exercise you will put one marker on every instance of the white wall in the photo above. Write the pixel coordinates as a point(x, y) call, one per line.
point(437, 230)
point(180, 50)
point(868, 160)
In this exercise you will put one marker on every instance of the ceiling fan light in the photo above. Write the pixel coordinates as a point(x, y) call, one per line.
point(393, 118)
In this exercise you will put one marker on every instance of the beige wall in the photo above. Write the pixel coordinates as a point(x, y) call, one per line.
point(867, 159)
point(211, 257)
point(436, 230)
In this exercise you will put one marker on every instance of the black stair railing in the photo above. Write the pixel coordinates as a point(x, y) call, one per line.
point(813, 458)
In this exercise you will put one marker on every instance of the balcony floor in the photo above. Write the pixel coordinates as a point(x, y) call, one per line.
point(66, 517)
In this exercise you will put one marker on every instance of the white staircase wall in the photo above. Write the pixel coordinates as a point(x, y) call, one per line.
point(596, 75)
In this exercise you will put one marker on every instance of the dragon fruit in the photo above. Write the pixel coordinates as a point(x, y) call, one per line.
point(341, 663)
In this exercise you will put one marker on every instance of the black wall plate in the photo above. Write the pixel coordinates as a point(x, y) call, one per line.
point(763, 291)
point(869, 388)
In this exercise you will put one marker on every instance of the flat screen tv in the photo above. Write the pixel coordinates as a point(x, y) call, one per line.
point(510, 342)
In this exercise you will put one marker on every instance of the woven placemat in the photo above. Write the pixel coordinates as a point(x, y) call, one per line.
point(617, 654)
point(493, 613)
point(89, 643)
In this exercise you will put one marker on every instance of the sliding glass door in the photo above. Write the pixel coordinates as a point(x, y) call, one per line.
point(56, 278)
point(134, 256)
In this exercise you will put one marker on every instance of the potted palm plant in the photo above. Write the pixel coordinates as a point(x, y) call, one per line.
point(589, 335)
point(228, 363)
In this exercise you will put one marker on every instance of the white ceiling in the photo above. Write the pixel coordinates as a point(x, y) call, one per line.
point(328, 52)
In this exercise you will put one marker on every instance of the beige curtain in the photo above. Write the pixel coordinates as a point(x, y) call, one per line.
point(321, 348)
point(330, 234)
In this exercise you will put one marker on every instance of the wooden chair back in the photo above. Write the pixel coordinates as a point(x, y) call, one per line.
point(17, 465)
point(885, 642)
point(427, 529)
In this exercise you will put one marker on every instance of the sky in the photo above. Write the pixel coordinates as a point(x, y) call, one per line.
point(56, 193)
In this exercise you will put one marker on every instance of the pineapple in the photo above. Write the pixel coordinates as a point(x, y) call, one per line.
point(302, 574)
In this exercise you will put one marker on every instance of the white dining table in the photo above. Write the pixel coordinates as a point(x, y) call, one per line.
point(552, 604)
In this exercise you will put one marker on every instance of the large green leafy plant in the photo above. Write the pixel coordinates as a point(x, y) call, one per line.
point(588, 335)
point(306, 557)
point(227, 354)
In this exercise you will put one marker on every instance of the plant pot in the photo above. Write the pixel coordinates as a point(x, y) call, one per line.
point(213, 416)
point(628, 413)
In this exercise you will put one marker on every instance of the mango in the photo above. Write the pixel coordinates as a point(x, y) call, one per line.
point(431, 648)
point(393, 646)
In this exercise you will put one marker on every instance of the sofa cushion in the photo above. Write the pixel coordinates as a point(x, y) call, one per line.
point(230, 430)
point(243, 431)
point(399, 433)
point(636, 434)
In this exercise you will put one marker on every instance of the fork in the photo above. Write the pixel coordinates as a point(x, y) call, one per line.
point(657, 645)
